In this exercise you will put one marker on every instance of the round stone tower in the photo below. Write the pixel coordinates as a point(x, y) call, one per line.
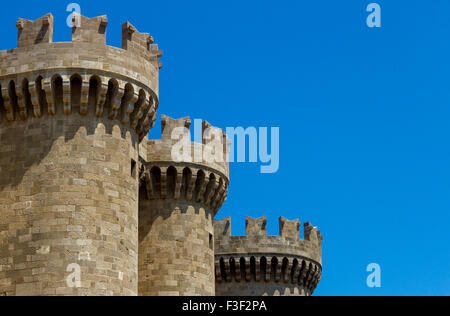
point(184, 186)
point(261, 265)
point(72, 116)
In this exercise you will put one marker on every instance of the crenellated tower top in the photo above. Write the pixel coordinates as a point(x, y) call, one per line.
point(256, 257)
point(84, 75)
point(184, 184)
point(178, 168)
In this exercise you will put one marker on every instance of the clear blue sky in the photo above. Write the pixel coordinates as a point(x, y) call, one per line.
point(363, 114)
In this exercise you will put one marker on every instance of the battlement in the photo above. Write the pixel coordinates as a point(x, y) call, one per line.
point(288, 241)
point(199, 181)
point(35, 32)
point(261, 258)
point(176, 146)
point(41, 78)
point(87, 30)
point(140, 43)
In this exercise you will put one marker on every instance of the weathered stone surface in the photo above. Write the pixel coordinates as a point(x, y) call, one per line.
point(176, 237)
point(261, 265)
point(72, 116)
point(176, 250)
point(67, 196)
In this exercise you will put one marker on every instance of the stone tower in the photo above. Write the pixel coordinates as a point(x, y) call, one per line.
point(261, 265)
point(72, 116)
point(183, 192)
point(89, 206)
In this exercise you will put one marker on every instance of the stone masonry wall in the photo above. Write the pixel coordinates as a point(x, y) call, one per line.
point(67, 196)
point(176, 249)
point(177, 204)
point(72, 116)
point(253, 288)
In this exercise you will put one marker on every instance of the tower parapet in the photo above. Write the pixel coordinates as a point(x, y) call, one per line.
point(72, 116)
point(179, 199)
point(258, 264)
point(85, 76)
point(175, 146)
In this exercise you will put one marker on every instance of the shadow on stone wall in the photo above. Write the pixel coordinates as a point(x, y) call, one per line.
point(26, 144)
point(151, 211)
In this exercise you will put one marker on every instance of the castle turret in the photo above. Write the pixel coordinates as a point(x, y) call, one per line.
point(184, 186)
point(261, 265)
point(72, 116)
